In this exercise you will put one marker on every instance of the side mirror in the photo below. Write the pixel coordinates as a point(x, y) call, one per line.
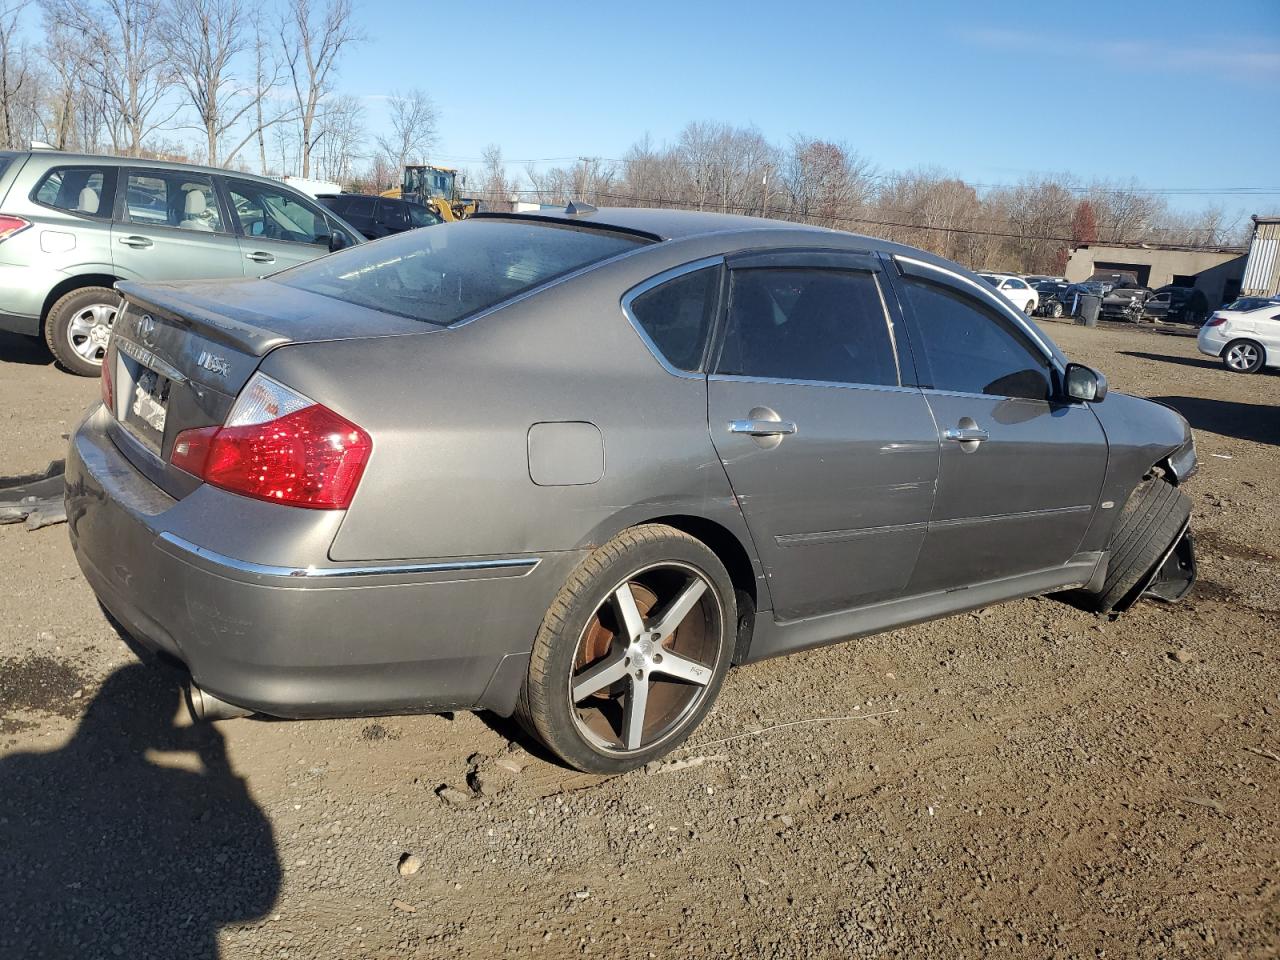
point(1085, 383)
point(337, 241)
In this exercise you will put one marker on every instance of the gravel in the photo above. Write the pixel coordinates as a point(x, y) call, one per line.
point(1027, 781)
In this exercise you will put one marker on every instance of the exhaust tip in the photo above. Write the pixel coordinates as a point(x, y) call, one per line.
point(205, 707)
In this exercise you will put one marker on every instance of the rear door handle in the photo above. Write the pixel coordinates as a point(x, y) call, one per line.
point(763, 428)
point(259, 257)
point(136, 242)
point(966, 434)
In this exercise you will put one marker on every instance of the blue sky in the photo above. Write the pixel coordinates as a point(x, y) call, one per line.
point(1180, 93)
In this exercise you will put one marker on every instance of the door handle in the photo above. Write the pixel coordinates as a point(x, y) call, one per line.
point(966, 434)
point(763, 428)
point(259, 257)
point(138, 243)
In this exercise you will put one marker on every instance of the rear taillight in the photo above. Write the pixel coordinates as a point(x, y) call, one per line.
point(1215, 321)
point(280, 446)
point(9, 226)
point(108, 388)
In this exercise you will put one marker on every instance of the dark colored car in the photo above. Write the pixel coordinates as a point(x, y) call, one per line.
point(1124, 303)
point(575, 466)
point(1177, 305)
point(1055, 298)
point(377, 217)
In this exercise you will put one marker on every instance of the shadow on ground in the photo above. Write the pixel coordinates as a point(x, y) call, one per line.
point(136, 839)
point(1202, 362)
point(1258, 422)
point(17, 349)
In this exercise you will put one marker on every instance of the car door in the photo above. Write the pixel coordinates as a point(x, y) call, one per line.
point(170, 225)
point(1021, 469)
point(831, 452)
point(393, 216)
point(277, 228)
point(1158, 306)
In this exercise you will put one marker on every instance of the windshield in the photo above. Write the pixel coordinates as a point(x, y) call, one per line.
point(453, 270)
point(994, 281)
point(1252, 303)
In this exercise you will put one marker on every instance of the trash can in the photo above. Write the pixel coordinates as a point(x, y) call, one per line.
point(1087, 313)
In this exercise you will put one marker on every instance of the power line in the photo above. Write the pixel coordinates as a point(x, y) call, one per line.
point(738, 208)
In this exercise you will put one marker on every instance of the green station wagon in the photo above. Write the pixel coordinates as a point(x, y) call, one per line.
point(72, 225)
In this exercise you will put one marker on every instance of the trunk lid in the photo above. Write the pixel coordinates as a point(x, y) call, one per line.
point(181, 352)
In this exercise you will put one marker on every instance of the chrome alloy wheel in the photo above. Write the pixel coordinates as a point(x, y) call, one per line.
point(645, 658)
point(90, 329)
point(1242, 357)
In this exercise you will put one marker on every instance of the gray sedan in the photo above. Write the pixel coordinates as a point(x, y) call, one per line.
point(573, 467)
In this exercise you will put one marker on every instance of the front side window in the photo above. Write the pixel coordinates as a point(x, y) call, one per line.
point(269, 214)
point(676, 316)
point(970, 348)
point(172, 199)
point(801, 324)
point(76, 190)
point(452, 271)
point(1015, 285)
point(394, 214)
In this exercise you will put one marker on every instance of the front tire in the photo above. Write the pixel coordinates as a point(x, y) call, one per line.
point(1243, 356)
point(1155, 514)
point(632, 652)
point(1030, 308)
point(78, 327)
point(1056, 310)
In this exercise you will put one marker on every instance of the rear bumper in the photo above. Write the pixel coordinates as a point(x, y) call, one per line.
point(1210, 342)
point(293, 640)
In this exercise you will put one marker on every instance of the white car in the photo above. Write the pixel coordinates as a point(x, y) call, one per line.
point(1016, 290)
point(1244, 334)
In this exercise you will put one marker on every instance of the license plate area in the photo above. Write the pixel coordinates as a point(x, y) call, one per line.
point(145, 407)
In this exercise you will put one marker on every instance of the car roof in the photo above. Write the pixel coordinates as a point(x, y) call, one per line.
point(57, 158)
point(666, 224)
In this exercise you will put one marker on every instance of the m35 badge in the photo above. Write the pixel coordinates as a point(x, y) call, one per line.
point(213, 363)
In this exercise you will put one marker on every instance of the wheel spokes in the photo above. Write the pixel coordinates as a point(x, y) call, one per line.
point(603, 673)
point(679, 608)
point(624, 603)
point(674, 665)
point(637, 702)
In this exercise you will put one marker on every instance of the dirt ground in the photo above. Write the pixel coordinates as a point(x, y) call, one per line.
point(1029, 780)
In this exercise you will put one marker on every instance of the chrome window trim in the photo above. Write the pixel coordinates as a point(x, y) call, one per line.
point(787, 382)
point(658, 280)
point(990, 296)
point(313, 573)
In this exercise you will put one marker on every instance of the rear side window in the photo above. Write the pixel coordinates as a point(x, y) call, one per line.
point(447, 273)
point(799, 324)
point(969, 348)
point(172, 199)
point(361, 206)
point(76, 189)
point(337, 204)
point(676, 316)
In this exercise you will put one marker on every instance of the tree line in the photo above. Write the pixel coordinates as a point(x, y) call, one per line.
point(255, 87)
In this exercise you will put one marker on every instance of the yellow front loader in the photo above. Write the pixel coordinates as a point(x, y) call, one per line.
point(437, 189)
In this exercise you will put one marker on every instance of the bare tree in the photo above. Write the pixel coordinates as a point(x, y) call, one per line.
point(315, 34)
point(122, 58)
point(340, 137)
point(15, 75)
point(496, 190)
point(413, 128)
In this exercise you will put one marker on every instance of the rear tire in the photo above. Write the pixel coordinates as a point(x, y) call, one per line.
point(77, 328)
point(1030, 308)
point(1155, 514)
point(587, 694)
point(1243, 356)
point(1056, 310)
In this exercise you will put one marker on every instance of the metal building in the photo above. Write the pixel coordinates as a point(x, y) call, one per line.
point(1262, 271)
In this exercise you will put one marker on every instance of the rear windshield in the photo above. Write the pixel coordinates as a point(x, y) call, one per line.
point(453, 270)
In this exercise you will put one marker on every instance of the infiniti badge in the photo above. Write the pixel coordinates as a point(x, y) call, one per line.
point(146, 327)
